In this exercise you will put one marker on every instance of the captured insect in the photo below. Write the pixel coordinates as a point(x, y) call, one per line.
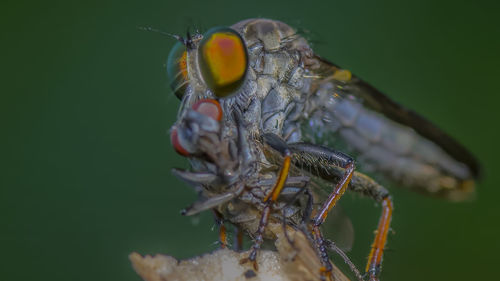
point(274, 134)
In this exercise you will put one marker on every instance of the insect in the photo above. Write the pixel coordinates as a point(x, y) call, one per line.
point(268, 126)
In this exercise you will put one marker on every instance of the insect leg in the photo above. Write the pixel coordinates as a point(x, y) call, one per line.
point(326, 269)
point(320, 157)
point(326, 162)
point(219, 221)
point(238, 239)
point(330, 245)
point(325, 159)
point(375, 258)
point(270, 198)
point(367, 186)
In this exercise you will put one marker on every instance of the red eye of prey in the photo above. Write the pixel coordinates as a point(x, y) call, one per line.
point(223, 60)
point(208, 107)
point(174, 139)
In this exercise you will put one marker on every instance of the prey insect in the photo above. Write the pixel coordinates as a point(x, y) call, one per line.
point(268, 126)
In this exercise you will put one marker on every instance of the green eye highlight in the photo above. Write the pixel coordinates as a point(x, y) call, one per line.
point(177, 69)
point(223, 60)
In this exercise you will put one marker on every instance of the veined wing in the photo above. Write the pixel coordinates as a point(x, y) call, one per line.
point(385, 137)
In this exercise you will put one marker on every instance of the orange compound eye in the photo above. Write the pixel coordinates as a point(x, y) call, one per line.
point(223, 60)
point(177, 69)
point(209, 107)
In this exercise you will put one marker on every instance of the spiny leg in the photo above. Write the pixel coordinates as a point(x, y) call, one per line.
point(252, 257)
point(367, 186)
point(375, 258)
point(326, 269)
point(326, 162)
point(332, 247)
point(317, 157)
point(336, 159)
point(270, 198)
point(323, 213)
point(336, 194)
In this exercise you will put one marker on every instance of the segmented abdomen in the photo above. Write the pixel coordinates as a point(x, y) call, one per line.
point(383, 146)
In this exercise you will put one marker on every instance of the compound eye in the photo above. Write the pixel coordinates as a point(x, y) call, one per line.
point(223, 60)
point(177, 69)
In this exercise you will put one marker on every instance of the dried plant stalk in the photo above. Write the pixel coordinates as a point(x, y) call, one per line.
point(291, 262)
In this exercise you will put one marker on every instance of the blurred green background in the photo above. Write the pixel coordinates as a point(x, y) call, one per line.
point(85, 113)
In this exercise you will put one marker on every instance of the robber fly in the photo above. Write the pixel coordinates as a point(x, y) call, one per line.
point(263, 121)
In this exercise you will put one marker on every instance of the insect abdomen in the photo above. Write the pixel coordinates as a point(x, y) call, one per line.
point(383, 146)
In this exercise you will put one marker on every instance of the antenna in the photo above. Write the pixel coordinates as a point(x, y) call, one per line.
point(176, 37)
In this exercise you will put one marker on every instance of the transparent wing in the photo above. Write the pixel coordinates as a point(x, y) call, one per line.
point(353, 87)
point(386, 139)
point(339, 229)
